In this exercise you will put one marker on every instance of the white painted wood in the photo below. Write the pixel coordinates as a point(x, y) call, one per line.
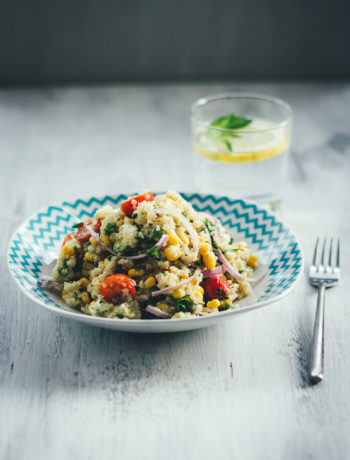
point(238, 391)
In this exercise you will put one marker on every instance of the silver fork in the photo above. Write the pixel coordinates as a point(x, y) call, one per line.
point(322, 276)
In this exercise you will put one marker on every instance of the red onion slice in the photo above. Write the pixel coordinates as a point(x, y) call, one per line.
point(228, 266)
point(138, 257)
point(47, 282)
point(142, 298)
point(157, 312)
point(161, 243)
point(216, 271)
point(189, 227)
point(233, 272)
point(163, 291)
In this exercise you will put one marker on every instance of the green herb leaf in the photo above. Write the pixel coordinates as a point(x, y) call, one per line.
point(185, 213)
point(231, 121)
point(78, 225)
point(121, 249)
point(110, 228)
point(184, 303)
point(228, 144)
point(226, 306)
point(210, 226)
point(154, 252)
point(231, 240)
point(221, 293)
point(156, 234)
point(215, 244)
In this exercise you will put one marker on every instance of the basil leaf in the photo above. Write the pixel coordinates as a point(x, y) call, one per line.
point(78, 225)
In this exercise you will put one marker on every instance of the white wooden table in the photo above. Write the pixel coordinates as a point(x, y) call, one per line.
point(236, 391)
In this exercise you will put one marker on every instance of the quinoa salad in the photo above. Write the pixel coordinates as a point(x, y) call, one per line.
point(152, 257)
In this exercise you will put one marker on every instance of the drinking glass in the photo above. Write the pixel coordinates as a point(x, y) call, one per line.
point(244, 162)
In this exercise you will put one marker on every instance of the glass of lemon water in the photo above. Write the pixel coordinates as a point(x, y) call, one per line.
point(241, 144)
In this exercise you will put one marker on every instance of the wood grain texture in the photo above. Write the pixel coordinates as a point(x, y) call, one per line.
point(238, 391)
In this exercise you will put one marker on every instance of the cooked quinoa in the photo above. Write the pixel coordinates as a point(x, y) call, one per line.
point(153, 257)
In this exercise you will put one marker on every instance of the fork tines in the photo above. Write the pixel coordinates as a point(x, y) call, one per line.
point(319, 256)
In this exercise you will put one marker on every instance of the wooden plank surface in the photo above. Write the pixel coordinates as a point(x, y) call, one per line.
point(237, 391)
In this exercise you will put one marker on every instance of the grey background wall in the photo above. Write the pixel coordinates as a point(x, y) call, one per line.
point(69, 41)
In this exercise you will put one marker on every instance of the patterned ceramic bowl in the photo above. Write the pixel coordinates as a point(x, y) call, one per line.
point(34, 247)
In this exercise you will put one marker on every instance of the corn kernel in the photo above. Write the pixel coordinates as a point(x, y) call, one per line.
point(92, 241)
point(84, 282)
point(209, 261)
point(150, 282)
point(215, 303)
point(105, 261)
point(85, 297)
point(252, 261)
point(184, 239)
point(198, 293)
point(88, 256)
point(67, 250)
point(64, 292)
point(136, 272)
point(172, 253)
point(178, 293)
point(204, 249)
point(163, 306)
point(201, 238)
point(173, 239)
point(105, 239)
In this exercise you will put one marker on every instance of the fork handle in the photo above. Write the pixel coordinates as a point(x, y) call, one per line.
point(317, 349)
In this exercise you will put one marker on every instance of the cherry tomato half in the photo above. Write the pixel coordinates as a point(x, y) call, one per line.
point(83, 234)
point(216, 287)
point(129, 206)
point(67, 238)
point(114, 285)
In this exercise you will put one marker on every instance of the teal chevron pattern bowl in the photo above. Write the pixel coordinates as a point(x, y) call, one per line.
point(34, 247)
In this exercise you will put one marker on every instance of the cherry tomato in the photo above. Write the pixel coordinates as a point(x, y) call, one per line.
point(83, 234)
point(216, 287)
point(129, 206)
point(67, 238)
point(114, 285)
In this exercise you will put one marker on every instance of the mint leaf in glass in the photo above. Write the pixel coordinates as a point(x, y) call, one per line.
point(231, 121)
point(228, 122)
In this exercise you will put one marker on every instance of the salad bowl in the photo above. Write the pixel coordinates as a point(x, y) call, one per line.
point(34, 247)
